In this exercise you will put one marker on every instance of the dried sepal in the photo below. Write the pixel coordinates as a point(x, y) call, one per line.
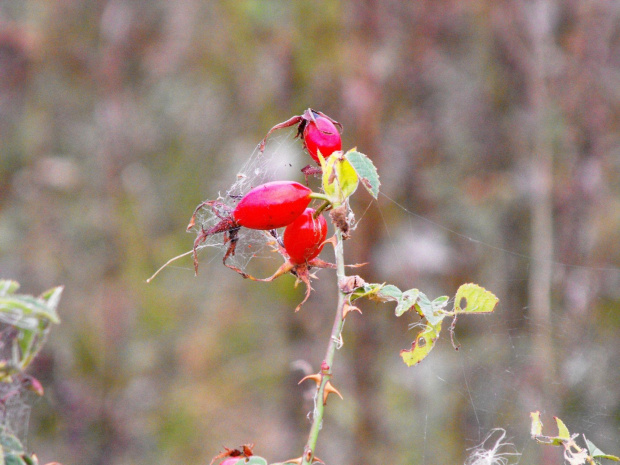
point(243, 451)
point(332, 240)
point(351, 283)
point(301, 272)
point(340, 220)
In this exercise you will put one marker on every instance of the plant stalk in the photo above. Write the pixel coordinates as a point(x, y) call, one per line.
point(326, 367)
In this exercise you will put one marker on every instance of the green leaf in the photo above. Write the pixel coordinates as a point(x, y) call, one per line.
point(339, 178)
point(389, 293)
point(423, 344)
point(563, 432)
point(471, 298)
point(536, 431)
point(366, 171)
point(407, 300)
point(13, 459)
point(315, 462)
point(10, 443)
point(52, 297)
point(7, 287)
point(255, 460)
point(17, 305)
point(432, 311)
point(536, 428)
point(595, 452)
point(32, 316)
point(367, 290)
point(30, 459)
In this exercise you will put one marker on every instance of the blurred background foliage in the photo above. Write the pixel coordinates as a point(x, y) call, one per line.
point(494, 125)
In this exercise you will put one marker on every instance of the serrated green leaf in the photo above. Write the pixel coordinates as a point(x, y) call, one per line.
point(563, 432)
point(366, 171)
point(423, 344)
point(389, 293)
point(407, 300)
point(597, 453)
point(471, 298)
point(339, 178)
point(429, 310)
point(8, 286)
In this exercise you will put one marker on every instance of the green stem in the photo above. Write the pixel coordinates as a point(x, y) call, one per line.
point(319, 196)
point(322, 208)
point(326, 368)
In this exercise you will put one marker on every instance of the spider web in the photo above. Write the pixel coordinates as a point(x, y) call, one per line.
point(14, 403)
point(489, 384)
point(281, 160)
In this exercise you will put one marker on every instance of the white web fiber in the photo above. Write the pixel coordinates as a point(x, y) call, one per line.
point(281, 160)
point(14, 409)
point(495, 453)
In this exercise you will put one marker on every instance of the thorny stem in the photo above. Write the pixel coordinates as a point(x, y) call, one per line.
point(326, 368)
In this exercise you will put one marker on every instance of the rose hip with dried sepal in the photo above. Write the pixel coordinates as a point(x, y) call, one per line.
point(320, 135)
point(303, 240)
point(318, 131)
point(268, 206)
point(232, 456)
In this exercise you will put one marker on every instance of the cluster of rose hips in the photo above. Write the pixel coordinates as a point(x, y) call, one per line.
point(281, 204)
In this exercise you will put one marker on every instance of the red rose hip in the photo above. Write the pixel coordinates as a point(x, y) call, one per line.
point(272, 205)
point(320, 134)
point(304, 237)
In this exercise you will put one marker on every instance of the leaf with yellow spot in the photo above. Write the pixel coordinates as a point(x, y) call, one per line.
point(423, 344)
point(471, 298)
